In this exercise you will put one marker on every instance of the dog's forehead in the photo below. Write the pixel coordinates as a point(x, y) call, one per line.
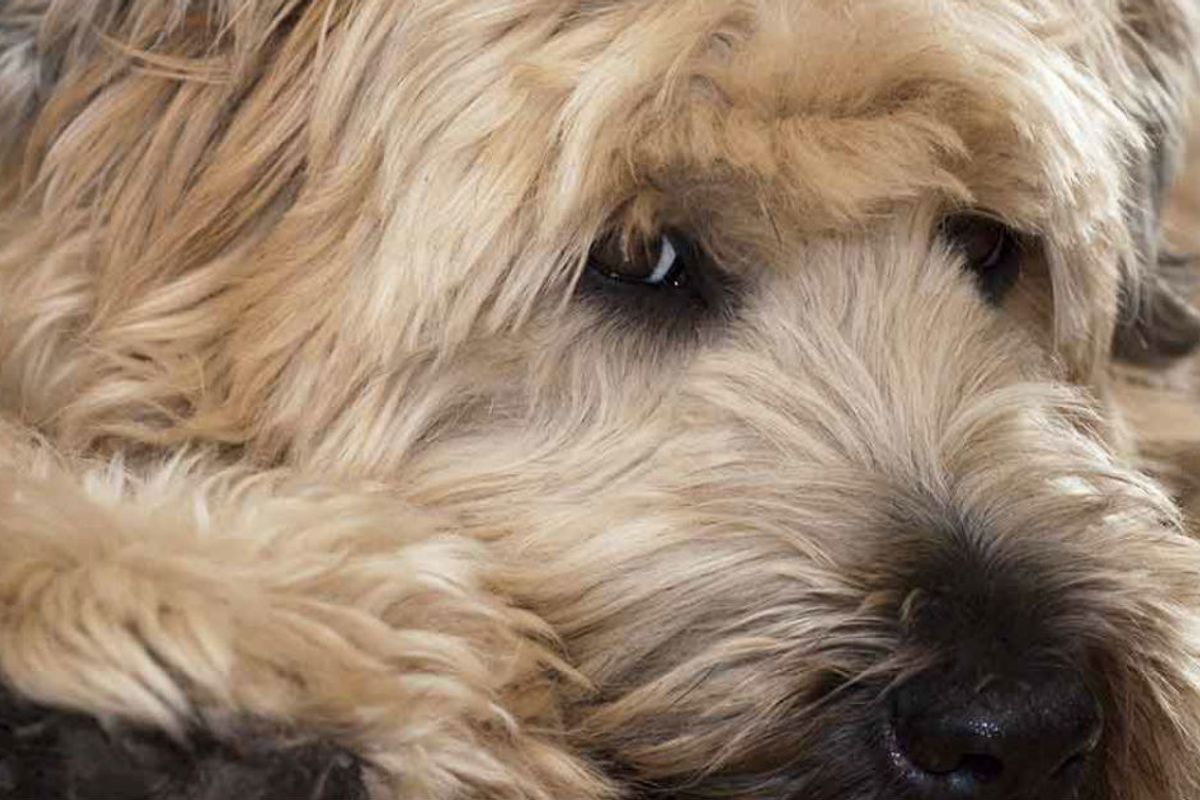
point(834, 111)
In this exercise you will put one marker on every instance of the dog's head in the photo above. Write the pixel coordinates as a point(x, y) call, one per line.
point(766, 340)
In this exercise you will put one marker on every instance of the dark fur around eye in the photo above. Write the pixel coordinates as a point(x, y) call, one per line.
point(637, 285)
point(993, 252)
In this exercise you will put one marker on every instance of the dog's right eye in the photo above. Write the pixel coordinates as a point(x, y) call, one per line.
point(993, 252)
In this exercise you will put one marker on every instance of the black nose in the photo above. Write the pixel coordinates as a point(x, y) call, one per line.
point(956, 739)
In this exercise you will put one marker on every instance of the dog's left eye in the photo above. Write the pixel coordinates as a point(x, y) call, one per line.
point(993, 252)
point(665, 282)
point(660, 262)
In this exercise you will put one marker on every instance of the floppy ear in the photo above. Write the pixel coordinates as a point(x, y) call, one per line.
point(20, 77)
point(1157, 322)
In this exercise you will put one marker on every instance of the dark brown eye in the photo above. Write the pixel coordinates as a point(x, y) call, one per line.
point(992, 250)
point(666, 282)
point(652, 262)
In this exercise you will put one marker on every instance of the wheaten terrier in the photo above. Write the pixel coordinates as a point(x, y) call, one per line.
point(581, 399)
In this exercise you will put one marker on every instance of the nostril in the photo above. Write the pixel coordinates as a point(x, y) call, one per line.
point(982, 768)
point(937, 752)
point(932, 747)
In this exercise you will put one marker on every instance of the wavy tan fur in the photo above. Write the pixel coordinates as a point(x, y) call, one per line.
point(308, 427)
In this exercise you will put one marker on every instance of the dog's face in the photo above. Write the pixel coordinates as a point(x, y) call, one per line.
point(765, 338)
point(765, 341)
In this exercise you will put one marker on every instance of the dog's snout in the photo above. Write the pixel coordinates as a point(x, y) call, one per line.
point(1001, 740)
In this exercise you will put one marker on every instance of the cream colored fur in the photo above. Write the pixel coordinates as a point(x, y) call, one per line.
point(308, 429)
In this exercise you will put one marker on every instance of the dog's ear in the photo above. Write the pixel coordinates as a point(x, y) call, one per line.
point(1157, 322)
point(21, 75)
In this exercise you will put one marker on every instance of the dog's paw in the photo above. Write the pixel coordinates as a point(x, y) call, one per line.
point(47, 754)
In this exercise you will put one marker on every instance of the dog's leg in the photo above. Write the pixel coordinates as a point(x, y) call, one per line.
point(229, 632)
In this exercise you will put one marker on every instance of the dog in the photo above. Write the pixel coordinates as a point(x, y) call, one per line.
point(573, 400)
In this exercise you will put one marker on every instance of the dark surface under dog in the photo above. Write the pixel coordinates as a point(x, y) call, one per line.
point(51, 755)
